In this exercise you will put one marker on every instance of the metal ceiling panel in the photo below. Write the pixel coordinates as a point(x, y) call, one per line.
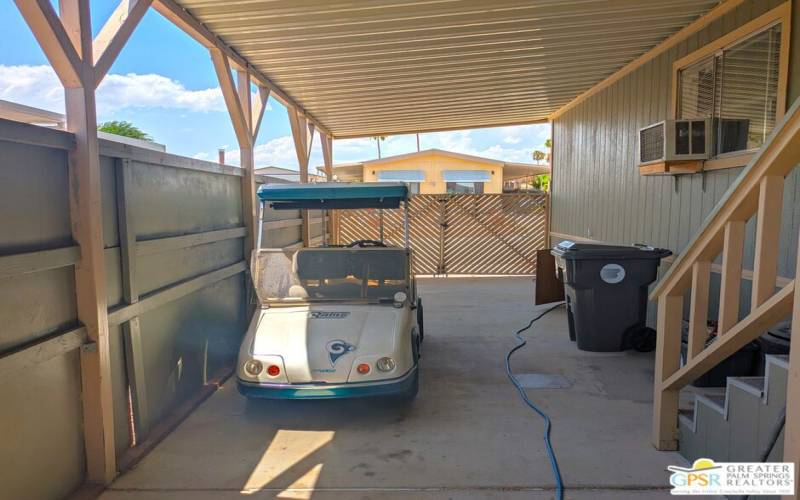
point(382, 67)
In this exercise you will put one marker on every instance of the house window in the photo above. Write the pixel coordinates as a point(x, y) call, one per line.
point(412, 178)
point(465, 188)
point(466, 181)
point(738, 87)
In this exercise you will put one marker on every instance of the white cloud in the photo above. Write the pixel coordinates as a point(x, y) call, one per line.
point(512, 140)
point(39, 86)
point(201, 156)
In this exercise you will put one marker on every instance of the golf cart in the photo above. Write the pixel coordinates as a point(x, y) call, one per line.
point(336, 321)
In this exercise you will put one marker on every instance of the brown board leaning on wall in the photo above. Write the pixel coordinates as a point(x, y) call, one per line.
point(548, 288)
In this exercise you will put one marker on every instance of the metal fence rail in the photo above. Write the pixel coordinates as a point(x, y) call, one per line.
point(460, 234)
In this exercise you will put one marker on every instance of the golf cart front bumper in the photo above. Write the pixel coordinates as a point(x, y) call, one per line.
point(388, 387)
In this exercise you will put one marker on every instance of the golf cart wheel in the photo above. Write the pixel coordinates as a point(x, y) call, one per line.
point(420, 320)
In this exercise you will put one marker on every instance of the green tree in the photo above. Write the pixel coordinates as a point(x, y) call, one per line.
point(548, 144)
point(125, 129)
point(538, 156)
point(542, 182)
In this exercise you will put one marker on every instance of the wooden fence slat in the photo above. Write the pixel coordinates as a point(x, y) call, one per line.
point(460, 234)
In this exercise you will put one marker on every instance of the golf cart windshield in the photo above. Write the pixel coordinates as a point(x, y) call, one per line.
point(331, 274)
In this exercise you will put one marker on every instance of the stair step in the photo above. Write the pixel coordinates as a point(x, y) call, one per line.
point(753, 385)
point(778, 359)
point(687, 418)
point(714, 401)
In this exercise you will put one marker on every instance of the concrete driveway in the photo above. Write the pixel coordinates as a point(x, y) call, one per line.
point(467, 436)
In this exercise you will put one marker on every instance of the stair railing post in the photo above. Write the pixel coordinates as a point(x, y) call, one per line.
point(668, 352)
point(698, 309)
point(791, 440)
point(731, 278)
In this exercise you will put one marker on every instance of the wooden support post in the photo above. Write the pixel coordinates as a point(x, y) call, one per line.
point(668, 352)
point(698, 310)
point(66, 39)
point(765, 264)
point(246, 118)
point(791, 440)
point(87, 230)
point(131, 331)
point(327, 157)
point(731, 276)
point(247, 163)
point(303, 135)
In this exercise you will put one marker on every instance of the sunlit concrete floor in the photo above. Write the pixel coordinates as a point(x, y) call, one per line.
point(467, 436)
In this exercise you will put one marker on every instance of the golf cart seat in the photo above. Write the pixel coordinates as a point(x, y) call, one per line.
point(274, 276)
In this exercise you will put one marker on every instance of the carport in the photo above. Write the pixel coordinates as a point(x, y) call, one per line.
point(343, 69)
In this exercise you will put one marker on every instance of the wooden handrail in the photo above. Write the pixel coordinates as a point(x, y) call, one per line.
point(757, 191)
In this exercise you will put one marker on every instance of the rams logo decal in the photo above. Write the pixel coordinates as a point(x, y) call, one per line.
point(338, 348)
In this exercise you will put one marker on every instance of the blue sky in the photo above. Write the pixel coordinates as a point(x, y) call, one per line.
point(164, 83)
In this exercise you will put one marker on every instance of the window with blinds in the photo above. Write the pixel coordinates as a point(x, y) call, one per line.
point(738, 88)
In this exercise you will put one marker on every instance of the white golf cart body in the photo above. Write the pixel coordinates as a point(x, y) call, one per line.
point(332, 322)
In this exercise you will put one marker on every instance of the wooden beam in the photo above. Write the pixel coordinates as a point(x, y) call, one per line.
point(41, 351)
point(175, 292)
point(222, 67)
point(731, 276)
point(791, 438)
point(300, 136)
point(327, 155)
point(326, 142)
point(768, 233)
point(668, 360)
point(115, 33)
point(184, 20)
point(131, 331)
point(747, 330)
point(259, 106)
point(161, 245)
point(87, 231)
point(247, 163)
point(49, 31)
point(41, 260)
point(698, 309)
point(723, 8)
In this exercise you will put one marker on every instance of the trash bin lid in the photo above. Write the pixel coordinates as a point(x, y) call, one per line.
point(577, 251)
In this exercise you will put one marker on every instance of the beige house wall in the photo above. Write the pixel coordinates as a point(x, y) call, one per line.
point(433, 166)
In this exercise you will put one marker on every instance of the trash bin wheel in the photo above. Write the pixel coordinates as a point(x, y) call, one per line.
point(641, 338)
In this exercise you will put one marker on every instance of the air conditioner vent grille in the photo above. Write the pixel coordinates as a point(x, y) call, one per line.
point(651, 143)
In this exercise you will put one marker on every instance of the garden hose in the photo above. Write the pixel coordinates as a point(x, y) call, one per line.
point(548, 445)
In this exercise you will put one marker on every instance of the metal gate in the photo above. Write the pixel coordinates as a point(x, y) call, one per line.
point(459, 234)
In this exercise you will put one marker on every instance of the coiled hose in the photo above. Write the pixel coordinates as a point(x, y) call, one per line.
point(548, 445)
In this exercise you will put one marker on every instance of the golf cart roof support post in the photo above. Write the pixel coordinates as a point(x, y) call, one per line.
point(405, 222)
point(380, 211)
point(260, 224)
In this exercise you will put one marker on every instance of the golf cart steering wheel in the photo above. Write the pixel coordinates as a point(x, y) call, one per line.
point(366, 243)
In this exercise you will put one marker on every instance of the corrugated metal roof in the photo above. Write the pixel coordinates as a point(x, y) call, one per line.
point(381, 67)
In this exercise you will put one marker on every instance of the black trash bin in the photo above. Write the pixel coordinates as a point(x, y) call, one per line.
point(606, 292)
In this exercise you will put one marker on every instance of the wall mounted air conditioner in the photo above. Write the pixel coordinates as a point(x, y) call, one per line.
point(676, 140)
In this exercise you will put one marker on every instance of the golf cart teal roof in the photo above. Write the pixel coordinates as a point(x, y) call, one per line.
point(330, 195)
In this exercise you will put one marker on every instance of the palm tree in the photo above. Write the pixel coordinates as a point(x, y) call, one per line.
point(538, 156)
point(378, 139)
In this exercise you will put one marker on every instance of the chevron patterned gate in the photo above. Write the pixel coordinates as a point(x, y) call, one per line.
point(460, 234)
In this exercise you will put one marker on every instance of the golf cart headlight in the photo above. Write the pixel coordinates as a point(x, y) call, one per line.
point(400, 299)
point(253, 367)
point(385, 364)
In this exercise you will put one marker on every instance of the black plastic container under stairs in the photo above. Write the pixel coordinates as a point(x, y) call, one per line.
point(606, 292)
